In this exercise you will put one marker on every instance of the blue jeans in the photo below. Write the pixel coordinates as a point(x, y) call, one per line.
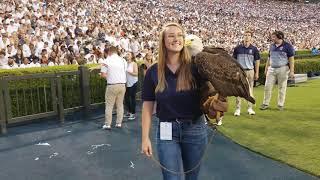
point(184, 152)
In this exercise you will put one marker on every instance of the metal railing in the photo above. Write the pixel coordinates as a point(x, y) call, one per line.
point(35, 96)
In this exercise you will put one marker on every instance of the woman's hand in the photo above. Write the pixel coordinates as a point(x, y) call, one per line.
point(146, 147)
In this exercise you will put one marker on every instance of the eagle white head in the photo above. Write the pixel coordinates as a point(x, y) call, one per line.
point(194, 44)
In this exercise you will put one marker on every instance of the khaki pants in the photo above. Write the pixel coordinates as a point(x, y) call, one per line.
point(114, 95)
point(250, 77)
point(276, 74)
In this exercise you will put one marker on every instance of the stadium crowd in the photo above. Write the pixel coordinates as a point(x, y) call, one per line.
point(47, 32)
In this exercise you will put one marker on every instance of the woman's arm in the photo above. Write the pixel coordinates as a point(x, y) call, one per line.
point(147, 109)
point(103, 75)
point(135, 70)
point(148, 96)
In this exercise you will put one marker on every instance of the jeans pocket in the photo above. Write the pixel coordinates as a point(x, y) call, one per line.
point(196, 127)
point(195, 133)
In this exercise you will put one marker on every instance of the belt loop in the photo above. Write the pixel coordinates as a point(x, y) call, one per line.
point(177, 120)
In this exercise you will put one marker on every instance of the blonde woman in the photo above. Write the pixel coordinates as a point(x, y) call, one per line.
point(132, 83)
point(173, 84)
point(147, 62)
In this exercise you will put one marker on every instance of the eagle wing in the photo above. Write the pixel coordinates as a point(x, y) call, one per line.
point(224, 73)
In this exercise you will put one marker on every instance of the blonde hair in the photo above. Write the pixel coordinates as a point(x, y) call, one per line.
point(249, 32)
point(185, 79)
point(113, 50)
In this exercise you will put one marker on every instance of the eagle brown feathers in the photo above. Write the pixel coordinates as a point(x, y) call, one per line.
point(223, 72)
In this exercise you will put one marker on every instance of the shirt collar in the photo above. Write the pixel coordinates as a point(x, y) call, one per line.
point(282, 44)
point(245, 46)
point(170, 73)
point(113, 56)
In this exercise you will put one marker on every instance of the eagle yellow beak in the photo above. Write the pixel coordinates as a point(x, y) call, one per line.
point(187, 43)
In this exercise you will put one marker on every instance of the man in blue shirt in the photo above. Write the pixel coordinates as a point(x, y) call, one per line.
point(279, 67)
point(314, 51)
point(249, 58)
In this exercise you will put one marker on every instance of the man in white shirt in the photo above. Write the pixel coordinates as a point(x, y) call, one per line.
point(3, 58)
point(25, 63)
point(77, 46)
point(134, 46)
point(11, 64)
point(90, 58)
point(39, 46)
point(124, 43)
point(114, 71)
point(11, 51)
point(11, 28)
point(26, 50)
point(4, 41)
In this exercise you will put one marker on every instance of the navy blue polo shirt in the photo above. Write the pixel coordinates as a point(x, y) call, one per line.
point(246, 56)
point(279, 55)
point(170, 103)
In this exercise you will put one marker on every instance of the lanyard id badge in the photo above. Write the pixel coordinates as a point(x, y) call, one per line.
point(166, 131)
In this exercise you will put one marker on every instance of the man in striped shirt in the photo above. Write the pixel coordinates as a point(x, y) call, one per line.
point(279, 67)
point(249, 58)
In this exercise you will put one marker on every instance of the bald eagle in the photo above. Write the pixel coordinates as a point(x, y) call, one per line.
point(224, 74)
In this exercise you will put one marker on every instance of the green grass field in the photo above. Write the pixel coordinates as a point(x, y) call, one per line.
point(291, 136)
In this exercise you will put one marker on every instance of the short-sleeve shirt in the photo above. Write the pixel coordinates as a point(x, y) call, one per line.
point(116, 69)
point(246, 56)
point(171, 104)
point(279, 55)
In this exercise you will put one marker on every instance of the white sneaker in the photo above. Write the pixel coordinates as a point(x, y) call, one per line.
point(219, 123)
point(237, 112)
point(118, 125)
point(251, 111)
point(132, 117)
point(106, 127)
point(126, 115)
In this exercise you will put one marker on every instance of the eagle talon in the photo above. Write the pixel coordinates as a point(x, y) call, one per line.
point(211, 121)
point(213, 126)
